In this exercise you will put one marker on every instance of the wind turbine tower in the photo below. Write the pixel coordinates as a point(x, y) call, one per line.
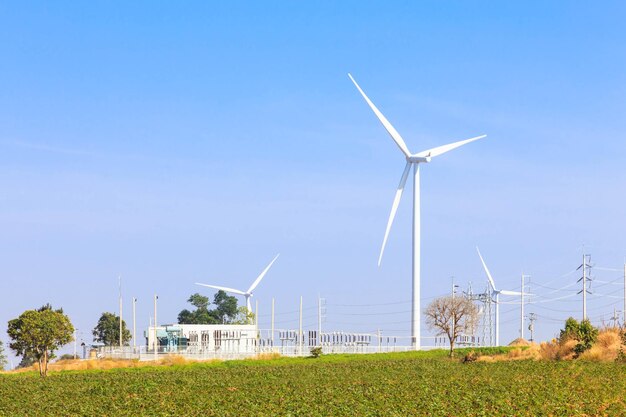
point(496, 295)
point(412, 161)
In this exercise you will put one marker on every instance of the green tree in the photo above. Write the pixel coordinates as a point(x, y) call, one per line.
point(570, 331)
point(584, 333)
point(587, 336)
point(225, 310)
point(200, 315)
point(28, 359)
point(199, 301)
point(3, 357)
point(244, 316)
point(226, 307)
point(107, 330)
point(39, 333)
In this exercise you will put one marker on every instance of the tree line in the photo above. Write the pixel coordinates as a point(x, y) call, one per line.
point(36, 334)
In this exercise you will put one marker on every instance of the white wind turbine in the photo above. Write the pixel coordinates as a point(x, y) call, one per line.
point(495, 293)
point(248, 293)
point(411, 160)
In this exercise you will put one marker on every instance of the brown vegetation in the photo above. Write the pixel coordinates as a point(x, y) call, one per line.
point(606, 349)
point(81, 365)
point(102, 364)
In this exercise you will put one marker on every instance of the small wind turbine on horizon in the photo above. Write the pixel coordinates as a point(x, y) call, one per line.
point(412, 160)
point(247, 294)
point(495, 293)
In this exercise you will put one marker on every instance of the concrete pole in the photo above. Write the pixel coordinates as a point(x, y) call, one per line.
point(521, 318)
point(272, 334)
point(134, 323)
point(453, 314)
point(300, 331)
point(120, 280)
point(453, 288)
point(156, 297)
point(319, 320)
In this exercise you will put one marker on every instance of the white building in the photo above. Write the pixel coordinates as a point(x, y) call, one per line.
point(204, 339)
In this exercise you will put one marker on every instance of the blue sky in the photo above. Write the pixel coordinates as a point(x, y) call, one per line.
point(174, 143)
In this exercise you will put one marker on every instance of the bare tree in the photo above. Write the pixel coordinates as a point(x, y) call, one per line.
point(451, 316)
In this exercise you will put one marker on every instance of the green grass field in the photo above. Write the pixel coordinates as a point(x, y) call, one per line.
point(403, 384)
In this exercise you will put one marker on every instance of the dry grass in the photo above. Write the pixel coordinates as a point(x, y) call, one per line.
point(609, 338)
point(554, 350)
point(103, 364)
point(266, 356)
point(520, 342)
point(606, 348)
point(532, 352)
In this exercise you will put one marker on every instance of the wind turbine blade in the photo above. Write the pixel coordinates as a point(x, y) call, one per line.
point(507, 292)
point(394, 208)
point(231, 290)
point(445, 148)
point(390, 129)
point(493, 285)
point(260, 277)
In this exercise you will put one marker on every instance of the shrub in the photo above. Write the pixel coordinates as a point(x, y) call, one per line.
point(570, 331)
point(471, 356)
point(587, 336)
point(584, 333)
point(316, 352)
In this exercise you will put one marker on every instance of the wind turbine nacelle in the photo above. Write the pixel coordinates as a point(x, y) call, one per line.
point(418, 159)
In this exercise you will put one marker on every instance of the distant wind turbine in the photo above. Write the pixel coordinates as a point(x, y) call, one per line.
point(248, 293)
point(495, 293)
point(411, 160)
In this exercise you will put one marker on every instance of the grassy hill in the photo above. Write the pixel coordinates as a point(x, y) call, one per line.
point(403, 384)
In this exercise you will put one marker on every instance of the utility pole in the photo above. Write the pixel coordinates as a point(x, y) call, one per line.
point(624, 310)
point(454, 287)
point(75, 335)
point(300, 331)
point(615, 317)
point(521, 326)
point(256, 315)
point(156, 297)
point(585, 265)
point(532, 317)
point(134, 323)
point(319, 320)
point(120, 285)
point(272, 335)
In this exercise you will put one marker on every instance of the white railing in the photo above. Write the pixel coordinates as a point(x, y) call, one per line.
point(287, 344)
point(144, 354)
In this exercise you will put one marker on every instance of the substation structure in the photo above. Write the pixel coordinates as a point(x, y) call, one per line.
point(235, 341)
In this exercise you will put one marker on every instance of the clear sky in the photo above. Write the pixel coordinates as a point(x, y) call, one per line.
point(174, 143)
